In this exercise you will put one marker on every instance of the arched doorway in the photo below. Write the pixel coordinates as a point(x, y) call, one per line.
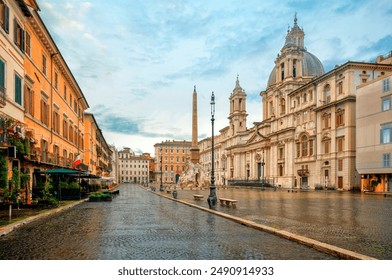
point(177, 178)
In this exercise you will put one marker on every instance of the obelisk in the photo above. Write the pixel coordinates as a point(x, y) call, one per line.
point(195, 156)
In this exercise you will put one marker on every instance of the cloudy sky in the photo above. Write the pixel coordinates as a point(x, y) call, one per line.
point(137, 61)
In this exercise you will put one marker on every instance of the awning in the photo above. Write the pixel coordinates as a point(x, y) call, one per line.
point(70, 172)
point(61, 171)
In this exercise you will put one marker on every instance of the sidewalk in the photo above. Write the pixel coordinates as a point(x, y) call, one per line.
point(35, 216)
point(246, 216)
point(346, 225)
point(141, 225)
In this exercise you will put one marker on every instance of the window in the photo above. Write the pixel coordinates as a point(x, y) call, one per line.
point(340, 88)
point(386, 104)
point(65, 93)
point(327, 94)
point(65, 127)
point(2, 82)
point(45, 111)
point(56, 121)
point(385, 85)
point(326, 145)
point(56, 151)
point(282, 70)
point(339, 118)
point(281, 152)
point(18, 89)
point(44, 64)
point(44, 152)
point(56, 80)
point(4, 16)
point(311, 95)
point(19, 36)
point(386, 133)
point(280, 169)
point(65, 154)
point(29, 100)
point(340, 165)
point(326, 121)
point(28, 43)
point(304, 143)
point(386, 160)
point(70, 133)
point(294, 68)
point(340, 144)
point(282, 106)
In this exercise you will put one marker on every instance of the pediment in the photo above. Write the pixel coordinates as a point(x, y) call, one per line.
point(255, 137)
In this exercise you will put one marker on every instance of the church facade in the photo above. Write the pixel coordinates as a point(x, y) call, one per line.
point(306, 138)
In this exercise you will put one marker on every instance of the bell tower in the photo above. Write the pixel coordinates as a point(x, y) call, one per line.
point(238, 113)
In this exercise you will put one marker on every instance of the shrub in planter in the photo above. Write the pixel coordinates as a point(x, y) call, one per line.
point(105, 196)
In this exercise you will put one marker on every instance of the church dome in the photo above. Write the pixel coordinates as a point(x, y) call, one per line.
point(311, 66)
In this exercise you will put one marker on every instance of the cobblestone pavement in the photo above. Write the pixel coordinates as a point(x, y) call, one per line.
point(357, 222)
point(139, 224)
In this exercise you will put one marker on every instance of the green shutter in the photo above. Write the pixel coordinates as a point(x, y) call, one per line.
point(18, 90)
point(2, 74)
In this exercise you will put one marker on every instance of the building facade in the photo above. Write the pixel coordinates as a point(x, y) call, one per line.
point(151, 167)
point(306, 138)
point(171, 159)
point(374, 132)
point(42, 105)
point(133, 168)
point(97, 153)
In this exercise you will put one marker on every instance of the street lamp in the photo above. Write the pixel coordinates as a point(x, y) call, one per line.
point(161, 186)
point(212, 197)
point(262, 165)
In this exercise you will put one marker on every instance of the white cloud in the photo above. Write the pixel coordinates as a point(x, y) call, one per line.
point(142, 58)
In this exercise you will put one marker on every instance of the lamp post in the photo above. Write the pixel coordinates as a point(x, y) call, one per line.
point(262, 165)
point(161, 186)
point(212, 197)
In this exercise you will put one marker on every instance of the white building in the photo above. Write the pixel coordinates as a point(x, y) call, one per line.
point(306, 138)
point(132, 168)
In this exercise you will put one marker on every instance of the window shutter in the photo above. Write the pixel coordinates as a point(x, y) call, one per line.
point(2, 74)
point(15, 31)
point(22, 40)
point(6, 19)
point(18, 90)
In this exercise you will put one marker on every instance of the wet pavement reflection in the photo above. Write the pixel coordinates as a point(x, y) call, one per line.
point(358, 222)
point(139, 224)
